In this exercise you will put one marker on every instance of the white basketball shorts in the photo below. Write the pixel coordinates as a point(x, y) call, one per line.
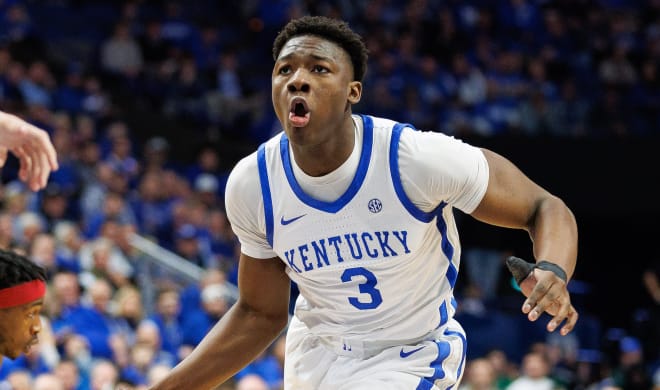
point(433, 362)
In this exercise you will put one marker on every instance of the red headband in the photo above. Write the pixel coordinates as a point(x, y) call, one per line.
point(22, 293)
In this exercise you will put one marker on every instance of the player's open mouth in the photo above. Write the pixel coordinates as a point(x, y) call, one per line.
point(299, 112)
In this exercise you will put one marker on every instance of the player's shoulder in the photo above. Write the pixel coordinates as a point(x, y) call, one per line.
point(380, 124)
point(244, 176)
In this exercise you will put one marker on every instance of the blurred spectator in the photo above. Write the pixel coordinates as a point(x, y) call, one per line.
point(48, 382)
point(76, 319)
point(141, 360)
point(152, 206)
point(54, 206)
point(215, 299)
point(114, 209)
point(632, 372)
point(103, 376)
point(28, 225)
point(187, 245)
point(148, 333)
point(121, 54)
point(6, 231)
point(20, 380)
point(223, 243)
point(207, 188)
point(251, 382)
point(154, 47)
point(69, 374)
point(167, 320)
point(42, 252)
point(101, 259)
point(68, 241)
point(129, 311)
point(155, 156)
point(505, 370)
point(191, 295)
point(535, 372)
point(479, 375)
point(184, 96)
point(157, 372)
point(38, 85)
point(68, 95)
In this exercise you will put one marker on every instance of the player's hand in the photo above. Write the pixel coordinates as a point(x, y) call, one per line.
point(545, 292)
point(33, 148)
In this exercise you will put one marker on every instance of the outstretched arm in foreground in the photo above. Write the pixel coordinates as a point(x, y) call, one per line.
point(33, 148)
point(248, 328)
point(513, 200)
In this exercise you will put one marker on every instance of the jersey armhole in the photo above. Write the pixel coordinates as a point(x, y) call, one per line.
point(415, 211)
point(265, 192)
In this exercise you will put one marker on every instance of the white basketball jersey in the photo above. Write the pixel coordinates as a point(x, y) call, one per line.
point(370, 264)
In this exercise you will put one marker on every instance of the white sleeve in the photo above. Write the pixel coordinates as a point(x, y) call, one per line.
point(245, 208)
point(435, 167)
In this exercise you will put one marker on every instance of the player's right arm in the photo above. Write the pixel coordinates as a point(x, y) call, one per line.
point(257, 318)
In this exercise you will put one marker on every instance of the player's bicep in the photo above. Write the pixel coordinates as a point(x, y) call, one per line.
point(511, 198)
point(263, 286)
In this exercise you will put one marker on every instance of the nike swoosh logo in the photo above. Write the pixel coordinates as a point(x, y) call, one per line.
point(404, 354)
point(288, 221)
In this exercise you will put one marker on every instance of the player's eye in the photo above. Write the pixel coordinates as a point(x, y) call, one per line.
point(285, 70)
point(319, 69)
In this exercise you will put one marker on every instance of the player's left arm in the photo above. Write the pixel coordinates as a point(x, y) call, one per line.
point(513, 200)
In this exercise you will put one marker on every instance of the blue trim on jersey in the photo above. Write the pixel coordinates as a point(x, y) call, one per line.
point(444, 350)
point(447, 246)
point(460, 366)
point(444, 314)
point(265, 192)
point(363, 165)
point(396, 176)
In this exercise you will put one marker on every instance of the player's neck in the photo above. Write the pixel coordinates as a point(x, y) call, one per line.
point(319, 160)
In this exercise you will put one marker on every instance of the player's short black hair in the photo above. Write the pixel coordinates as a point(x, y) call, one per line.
point(16, 269)
point(333, 30)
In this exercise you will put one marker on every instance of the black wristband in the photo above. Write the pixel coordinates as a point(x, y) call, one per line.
point(549, 266)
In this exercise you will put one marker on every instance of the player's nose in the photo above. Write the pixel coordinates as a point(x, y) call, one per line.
point(298, 82)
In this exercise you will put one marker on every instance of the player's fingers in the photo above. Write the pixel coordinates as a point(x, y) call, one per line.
point(571, 320)
point(40, 168)
point(538, 292)
point(31, 177)
point(45, 148)
point(544, 296)
point(561, 308)
point(25, 161)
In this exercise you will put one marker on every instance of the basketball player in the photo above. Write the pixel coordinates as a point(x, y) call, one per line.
point(22, 290)
point(32, 147)
point(357, 210)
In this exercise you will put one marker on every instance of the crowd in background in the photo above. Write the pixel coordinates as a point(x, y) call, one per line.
point(83, 69)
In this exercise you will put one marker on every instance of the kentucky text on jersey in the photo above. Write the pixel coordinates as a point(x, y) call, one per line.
point(357, 246)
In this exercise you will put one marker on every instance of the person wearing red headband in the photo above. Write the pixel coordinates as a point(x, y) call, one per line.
point(22, 290)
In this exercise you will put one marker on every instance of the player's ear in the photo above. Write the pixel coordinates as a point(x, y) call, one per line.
point(354, 92)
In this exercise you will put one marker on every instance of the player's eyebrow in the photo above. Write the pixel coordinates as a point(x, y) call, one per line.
point(314, 56)
point(38, 302)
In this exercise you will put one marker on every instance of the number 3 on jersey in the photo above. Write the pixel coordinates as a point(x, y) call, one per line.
point(368, 287)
